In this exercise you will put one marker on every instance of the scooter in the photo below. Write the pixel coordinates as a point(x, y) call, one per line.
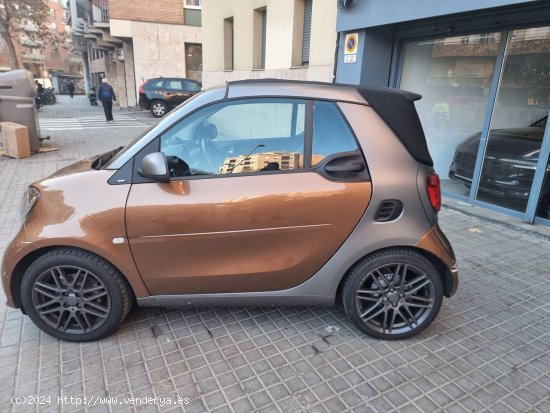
point(92, 97)
point(48, 96)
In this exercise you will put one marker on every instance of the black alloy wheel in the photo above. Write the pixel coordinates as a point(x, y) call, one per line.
point(393, 294)
point(74, 295)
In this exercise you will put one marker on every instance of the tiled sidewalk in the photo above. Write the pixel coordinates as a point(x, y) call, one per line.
point(488, 350)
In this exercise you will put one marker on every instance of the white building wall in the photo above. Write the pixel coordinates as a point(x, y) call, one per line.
point(279, 40)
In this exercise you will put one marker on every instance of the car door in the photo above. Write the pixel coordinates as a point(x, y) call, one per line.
point(248, 207)
point(174, 92)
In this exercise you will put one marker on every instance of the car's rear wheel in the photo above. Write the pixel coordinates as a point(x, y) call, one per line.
point(74, 295)
point(393, 294)
point(158, 108)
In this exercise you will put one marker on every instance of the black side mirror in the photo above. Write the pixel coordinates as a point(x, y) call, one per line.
point(155, 166)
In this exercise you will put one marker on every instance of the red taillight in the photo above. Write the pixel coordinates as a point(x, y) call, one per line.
point(434, 191)
point(140, 89)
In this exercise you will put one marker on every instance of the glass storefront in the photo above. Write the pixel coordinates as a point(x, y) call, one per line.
point(518, 122)
point(543, 208)
point(455, 75)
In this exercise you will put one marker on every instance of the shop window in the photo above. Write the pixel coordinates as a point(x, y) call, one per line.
point(518, 123)
point(453, 75)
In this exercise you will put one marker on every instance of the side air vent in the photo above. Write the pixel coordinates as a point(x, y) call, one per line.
point(388, 210)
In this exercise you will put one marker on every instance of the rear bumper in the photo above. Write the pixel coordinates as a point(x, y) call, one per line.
point(454, 280)
point(436, 243)
point(143, 102)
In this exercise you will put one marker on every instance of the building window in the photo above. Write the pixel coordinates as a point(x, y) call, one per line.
point(301, 32)
point(306, 32)
point(228, 44)
point(260, 37)
point(192, 4)
point(192, 13)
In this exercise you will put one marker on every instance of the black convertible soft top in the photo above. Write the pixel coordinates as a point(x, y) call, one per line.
point(396, 108)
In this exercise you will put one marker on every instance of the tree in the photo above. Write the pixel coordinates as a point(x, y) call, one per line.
point(24, 22)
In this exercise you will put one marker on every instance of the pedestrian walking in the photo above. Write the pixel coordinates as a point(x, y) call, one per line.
point(106, 95)
point(39, 91)
point(70, 88)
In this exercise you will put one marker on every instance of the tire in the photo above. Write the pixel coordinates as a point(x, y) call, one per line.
point(74, 295)
point(158, 108)
point(393, 294)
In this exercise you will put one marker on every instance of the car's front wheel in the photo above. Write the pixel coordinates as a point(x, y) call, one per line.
point(158, 108)
point(393, 294)
point(74, 295)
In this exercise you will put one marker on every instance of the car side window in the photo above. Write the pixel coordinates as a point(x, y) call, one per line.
point(331, 134)
point(238, 136)
point(189, 86)
point(173, 85)
point(158, 84)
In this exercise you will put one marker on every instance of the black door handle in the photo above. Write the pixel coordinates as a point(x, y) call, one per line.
point(352, 166)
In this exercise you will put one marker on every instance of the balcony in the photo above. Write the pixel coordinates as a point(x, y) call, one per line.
point(100, 13)
point(34, 57)
point(30, 43)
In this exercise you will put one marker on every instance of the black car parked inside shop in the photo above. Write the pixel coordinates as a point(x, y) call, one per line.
point(510, 163)
point(160, 95)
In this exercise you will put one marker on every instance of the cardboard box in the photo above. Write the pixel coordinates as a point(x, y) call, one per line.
point(16, 140)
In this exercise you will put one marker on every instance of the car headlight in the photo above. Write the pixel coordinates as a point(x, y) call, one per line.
point(28, 202)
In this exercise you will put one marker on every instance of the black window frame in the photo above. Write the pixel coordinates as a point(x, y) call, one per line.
point(155, 146)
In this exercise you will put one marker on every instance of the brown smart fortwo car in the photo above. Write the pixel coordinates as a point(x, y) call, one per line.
point(253, 193)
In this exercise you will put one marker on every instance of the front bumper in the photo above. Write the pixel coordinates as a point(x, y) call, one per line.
point(15, 251)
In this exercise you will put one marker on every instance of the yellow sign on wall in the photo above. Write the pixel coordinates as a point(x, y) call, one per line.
point(352, 39)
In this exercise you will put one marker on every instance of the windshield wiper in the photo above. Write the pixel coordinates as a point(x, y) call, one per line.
point(102, 160)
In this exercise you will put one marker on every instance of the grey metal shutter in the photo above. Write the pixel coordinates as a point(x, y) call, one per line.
point(264, 21)
point(307, 32)
point(193, 61)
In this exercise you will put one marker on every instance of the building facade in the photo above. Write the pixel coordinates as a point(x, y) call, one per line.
point(248, 39)
point(131, 42)
point(483, 69)
point(50, 59)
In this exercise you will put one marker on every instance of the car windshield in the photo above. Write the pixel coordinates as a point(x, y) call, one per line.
point(145, 132)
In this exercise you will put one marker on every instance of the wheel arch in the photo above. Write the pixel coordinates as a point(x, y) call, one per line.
point(440, 266)
point(25, 262)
